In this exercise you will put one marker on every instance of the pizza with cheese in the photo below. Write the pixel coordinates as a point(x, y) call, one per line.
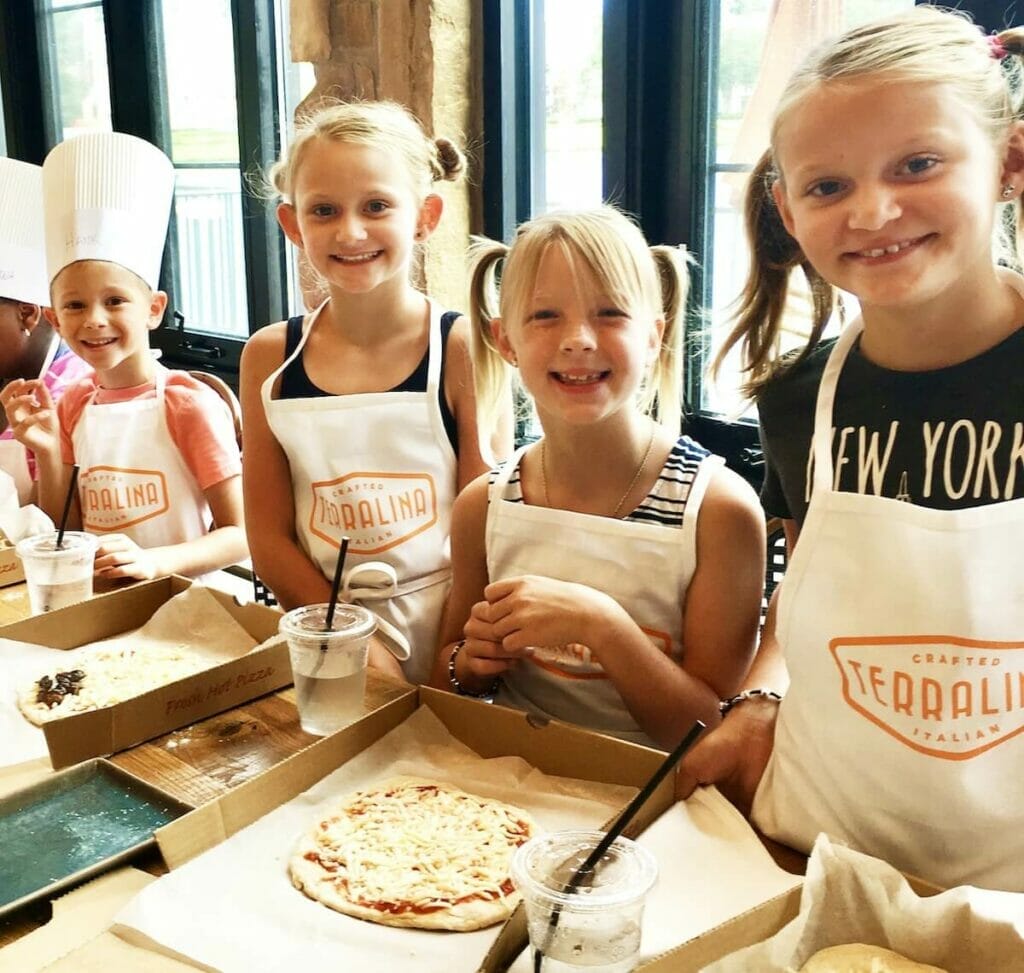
point(413, 852)
point(99, 676)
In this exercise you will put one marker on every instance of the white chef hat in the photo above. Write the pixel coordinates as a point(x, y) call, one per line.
point(22, 240)
point(107, 197)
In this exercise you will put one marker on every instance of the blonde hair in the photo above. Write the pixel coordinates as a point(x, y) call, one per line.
point(611, 248)
point(922, 44)
point(384, 125)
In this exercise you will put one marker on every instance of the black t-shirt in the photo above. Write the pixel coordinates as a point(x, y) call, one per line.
point(947, 438)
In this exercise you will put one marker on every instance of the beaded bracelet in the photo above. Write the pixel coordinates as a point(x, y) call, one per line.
point(727, 704)
point(454, 680)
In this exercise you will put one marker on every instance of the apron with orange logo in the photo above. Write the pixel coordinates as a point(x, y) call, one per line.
point(133, 479)
point(377, 467)
point(645, 567)
point(903, 630)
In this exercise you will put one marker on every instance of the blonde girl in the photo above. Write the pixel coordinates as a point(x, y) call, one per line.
point(894, 454)
point(360, 417)
point(611, 573)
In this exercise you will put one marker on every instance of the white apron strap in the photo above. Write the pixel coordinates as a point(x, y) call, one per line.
point(268, 386)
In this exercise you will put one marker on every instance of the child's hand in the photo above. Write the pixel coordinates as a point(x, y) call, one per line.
point(485, 656)
point(31, 415)
point(118, 556)
point(534, 610)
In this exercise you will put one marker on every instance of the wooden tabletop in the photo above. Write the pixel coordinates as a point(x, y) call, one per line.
point(201, 762)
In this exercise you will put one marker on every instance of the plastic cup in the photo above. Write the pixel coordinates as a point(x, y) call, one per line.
point(329, 667)
point(57, 578)
point(596, 927)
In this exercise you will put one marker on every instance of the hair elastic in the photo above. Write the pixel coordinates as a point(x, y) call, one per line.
point(996, 47)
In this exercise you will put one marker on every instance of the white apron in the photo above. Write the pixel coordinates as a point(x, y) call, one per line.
point(133, 480)
point(379, 468)
point(645, 567)
point(903, 630)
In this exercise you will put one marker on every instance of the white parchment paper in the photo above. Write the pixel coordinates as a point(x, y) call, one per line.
point(234, 907)
point(193, 618)
point(853, 898)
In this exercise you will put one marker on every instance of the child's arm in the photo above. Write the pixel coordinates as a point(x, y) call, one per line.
point(32, 417)
point(118, 556)
point(277, 558)
point(719, 622)
point(482, 658)
point(735, 755)
point(474, 457)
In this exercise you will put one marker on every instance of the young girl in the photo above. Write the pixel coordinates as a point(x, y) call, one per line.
point(610, 574)
point(894, 453)
point(160, 471)
point(360, 419)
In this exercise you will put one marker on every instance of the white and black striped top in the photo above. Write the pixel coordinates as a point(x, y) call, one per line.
point(666, 502)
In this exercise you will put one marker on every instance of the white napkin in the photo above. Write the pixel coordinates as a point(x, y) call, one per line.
point(17, 522)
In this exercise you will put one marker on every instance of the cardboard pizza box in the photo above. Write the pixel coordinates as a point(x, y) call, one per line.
point(11, 571)
point(492, 731)
point(102, 732)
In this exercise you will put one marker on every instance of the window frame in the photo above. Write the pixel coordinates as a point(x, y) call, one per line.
point(139, 107)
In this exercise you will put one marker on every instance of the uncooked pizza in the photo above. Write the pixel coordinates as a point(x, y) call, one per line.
point(861, 958)
point(89, 679)
point(413, 852)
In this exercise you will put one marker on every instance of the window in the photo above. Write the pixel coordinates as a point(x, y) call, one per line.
point(687, 88)
point(206, 80)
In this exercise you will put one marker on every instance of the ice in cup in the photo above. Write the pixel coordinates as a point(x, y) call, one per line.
point(329, 667)
point(57, 577)
point(595, 927)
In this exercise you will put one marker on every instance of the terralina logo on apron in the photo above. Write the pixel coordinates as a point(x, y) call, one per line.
point(944, 696)
point(576, 661)
point(378, 511)
point(113, 499)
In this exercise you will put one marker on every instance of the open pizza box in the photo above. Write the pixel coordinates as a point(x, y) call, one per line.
point(114, 728)
point(11, 571)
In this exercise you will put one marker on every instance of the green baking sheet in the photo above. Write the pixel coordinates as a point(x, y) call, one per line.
point(74, 825)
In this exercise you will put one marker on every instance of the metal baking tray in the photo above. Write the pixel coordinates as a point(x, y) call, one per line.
point(74, 825)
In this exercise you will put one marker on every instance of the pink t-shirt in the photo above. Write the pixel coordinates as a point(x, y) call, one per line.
point(197, 418)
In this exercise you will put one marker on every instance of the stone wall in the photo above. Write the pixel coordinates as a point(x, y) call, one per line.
point(424, 54)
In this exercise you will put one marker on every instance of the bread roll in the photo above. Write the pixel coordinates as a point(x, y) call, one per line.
point(859, 958)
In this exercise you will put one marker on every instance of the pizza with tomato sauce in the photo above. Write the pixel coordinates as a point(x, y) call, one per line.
point(413, 852)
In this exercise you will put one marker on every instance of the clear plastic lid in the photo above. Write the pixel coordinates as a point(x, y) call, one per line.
point(351, 621)
point(544, 867)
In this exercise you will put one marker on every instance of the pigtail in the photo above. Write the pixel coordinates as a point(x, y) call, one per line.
point(761, 307)
point(449, 163)
point(664, 387)
point(492, 374)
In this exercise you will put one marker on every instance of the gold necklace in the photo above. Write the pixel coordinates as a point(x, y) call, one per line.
point(629, 489)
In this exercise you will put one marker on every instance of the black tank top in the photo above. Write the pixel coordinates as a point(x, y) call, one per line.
point(295, 383)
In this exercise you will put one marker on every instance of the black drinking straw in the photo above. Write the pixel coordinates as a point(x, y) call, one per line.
point(615, 831)
point(67, 507)
point(339, 570)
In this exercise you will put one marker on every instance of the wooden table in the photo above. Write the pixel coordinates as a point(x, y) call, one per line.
point(200, 762)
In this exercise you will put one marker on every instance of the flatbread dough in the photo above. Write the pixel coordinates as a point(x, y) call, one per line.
point(414, 852)
point(860, 958)
point(105, 676)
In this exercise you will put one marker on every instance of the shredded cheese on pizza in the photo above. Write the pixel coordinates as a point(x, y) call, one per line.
point(416, 847)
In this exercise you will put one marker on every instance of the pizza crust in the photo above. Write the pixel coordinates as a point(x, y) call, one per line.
point(860, 958)
point(109, 675)
point(413, 853)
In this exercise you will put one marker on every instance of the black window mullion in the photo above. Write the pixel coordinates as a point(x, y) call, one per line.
point(259, 145)
point(25, 48)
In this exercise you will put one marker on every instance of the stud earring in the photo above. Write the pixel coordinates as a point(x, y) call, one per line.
point(1008, 190)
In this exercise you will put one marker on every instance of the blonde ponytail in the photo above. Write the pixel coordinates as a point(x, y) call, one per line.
point(492, 374)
